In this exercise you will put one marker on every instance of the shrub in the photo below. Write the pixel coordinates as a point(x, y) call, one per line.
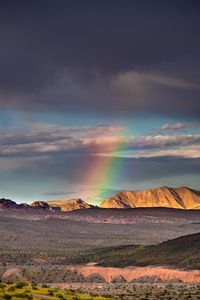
point(24, 296)
point(7, 297)
point(11, 288)
point(50, 293)
point(20, 285)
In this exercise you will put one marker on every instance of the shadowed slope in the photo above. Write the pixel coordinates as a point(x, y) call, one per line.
point(181, 252)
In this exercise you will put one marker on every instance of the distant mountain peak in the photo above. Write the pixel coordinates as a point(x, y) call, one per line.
point(164, 196)
point(71, 204)
point(7, 204)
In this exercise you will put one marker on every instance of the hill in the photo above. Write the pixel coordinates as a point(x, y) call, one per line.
point(181, 198)
point(181, 252)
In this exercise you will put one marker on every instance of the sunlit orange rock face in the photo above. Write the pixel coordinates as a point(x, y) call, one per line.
point(132, 273)
point(181, 198)
point(72, 204)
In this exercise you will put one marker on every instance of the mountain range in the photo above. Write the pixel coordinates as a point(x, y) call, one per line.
point(178, 198)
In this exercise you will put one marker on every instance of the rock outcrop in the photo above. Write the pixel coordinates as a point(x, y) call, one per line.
point(44, 206)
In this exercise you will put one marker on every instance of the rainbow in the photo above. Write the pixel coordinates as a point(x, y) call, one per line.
point(104, 166)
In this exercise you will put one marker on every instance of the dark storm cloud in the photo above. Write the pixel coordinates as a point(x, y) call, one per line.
point(158, 167)
point(99, 55)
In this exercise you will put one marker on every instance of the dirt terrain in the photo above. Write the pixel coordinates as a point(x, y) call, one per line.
point(81, 230)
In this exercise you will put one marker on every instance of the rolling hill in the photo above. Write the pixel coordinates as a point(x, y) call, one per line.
point(181, 252)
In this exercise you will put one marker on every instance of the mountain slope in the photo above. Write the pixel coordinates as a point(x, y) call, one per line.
point(181, 252)
point(41, 205)
point(68, 205)
point(10, 205)
point(182, 198)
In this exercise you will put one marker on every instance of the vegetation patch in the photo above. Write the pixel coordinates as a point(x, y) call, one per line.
point(27, 291)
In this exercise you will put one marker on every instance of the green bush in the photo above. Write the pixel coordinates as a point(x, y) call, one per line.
point(20, 285)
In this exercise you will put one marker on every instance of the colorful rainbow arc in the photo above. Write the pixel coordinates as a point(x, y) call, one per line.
point(105, 167)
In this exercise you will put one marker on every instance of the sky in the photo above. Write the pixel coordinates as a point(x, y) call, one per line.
point(98, 96)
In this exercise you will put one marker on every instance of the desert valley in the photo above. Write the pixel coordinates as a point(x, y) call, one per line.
point(110, 250)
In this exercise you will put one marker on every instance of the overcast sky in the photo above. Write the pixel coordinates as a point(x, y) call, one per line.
point(97, 96)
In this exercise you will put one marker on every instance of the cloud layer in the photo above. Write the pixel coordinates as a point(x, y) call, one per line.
point(45, 139)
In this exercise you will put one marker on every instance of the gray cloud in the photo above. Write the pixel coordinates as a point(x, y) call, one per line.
point(44, 139)
point(175, 127)
point(192, 151)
